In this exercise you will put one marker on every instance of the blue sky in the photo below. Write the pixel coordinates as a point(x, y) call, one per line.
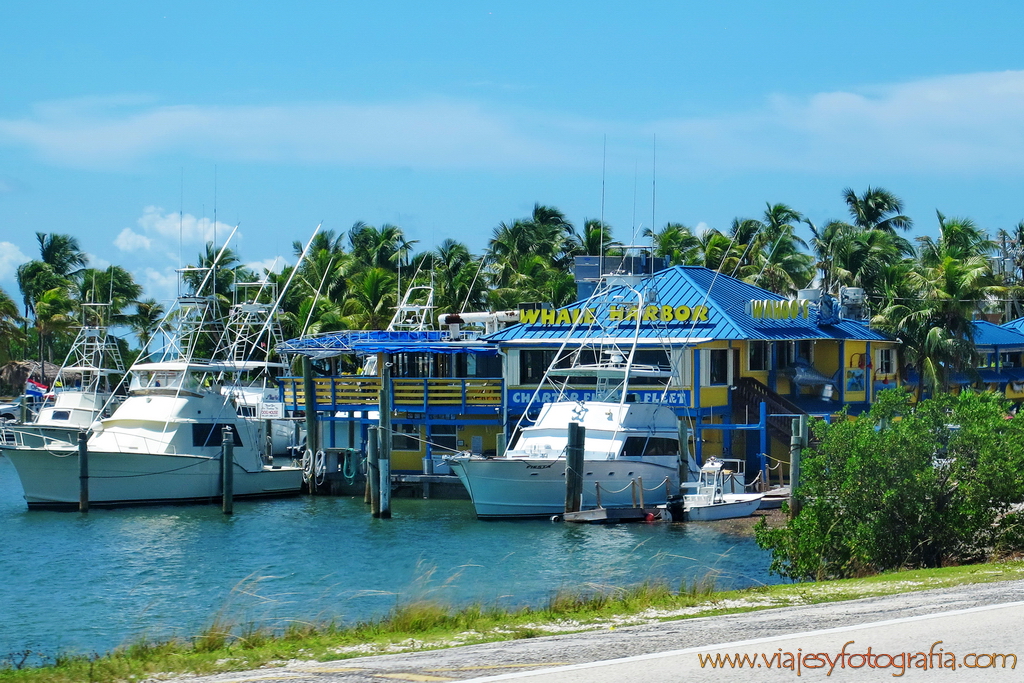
point(447, 118)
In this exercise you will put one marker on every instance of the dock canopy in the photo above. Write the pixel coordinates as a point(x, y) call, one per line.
point(366, 342)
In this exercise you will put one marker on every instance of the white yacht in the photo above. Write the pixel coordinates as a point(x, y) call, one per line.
point(83, 389)
point(163, 443)
point(632, 453)
point(628, 446)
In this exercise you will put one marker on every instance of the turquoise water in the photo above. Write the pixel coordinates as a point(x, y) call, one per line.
point(88, 583)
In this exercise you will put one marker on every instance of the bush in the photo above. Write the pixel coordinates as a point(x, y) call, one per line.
point(905, 487)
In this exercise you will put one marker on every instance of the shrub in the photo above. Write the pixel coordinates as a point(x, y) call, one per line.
point(905, 487)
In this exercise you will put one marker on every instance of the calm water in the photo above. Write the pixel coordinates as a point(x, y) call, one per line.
point(88, 583)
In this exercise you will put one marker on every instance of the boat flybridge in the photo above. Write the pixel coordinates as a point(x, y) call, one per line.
point(628, 445)
point(163, 443)
point(83, 389)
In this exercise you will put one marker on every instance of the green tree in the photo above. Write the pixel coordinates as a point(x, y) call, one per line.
point(9, 326)
point(880, 494)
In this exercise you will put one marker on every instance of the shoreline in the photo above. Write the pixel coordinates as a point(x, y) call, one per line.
point(419, 626)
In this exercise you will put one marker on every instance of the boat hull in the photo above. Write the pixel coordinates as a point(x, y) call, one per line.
point(50, 479)
point(733, 507)
point(531, 487)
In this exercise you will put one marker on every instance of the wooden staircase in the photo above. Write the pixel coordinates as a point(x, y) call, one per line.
point(748, 396)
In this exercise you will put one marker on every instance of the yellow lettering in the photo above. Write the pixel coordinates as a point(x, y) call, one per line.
point(614, 313)
point(564, 317)
point(700, 313)
point(667, 313)
point(528, 316)
point(682, 313)
point(631, 313)
point(588, 315)
point(650, 313)
point(547, 316)
point(756, 309)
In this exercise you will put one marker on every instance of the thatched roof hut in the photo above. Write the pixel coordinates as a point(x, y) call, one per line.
point(14, 374)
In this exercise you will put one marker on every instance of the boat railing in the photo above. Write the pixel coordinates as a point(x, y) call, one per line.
point(414, 394)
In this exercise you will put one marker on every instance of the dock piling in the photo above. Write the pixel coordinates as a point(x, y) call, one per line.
point(797, 442)
point(373, 470)
point(574, 467)
point(83, 471)
point(227, 470)
point(384, 436)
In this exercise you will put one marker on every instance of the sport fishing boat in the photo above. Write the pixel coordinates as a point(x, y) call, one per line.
point(632, 451)
point(713, 494)
point(82, 389)
point(163, 443)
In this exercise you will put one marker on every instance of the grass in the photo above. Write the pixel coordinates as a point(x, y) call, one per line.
point(426, 624)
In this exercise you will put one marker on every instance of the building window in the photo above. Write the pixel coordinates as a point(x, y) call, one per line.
point(758, 356)
point(443, 438)
point(886, 362)
point(803, 351)
point(405, 437)
point(533, 364)
point(715, 367)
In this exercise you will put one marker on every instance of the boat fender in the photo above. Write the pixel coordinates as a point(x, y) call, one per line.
point(649, 517)
point(556, 518)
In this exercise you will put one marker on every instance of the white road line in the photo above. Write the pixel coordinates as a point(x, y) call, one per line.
point(740, 643)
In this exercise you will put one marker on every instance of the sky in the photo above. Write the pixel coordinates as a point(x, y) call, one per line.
point(145, 129)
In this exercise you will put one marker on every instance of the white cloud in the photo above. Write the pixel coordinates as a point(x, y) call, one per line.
point(274, 265)
point(161, 285)
point(10, 258)
point(163, 232)
point(955, 123)
point(951, 123)
point(129, 240)
point(96, 262)
point(426, 134)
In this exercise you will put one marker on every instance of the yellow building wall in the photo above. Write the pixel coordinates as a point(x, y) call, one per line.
point(854, 375)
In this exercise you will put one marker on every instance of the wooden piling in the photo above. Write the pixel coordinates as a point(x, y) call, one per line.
point(797, 442)
point(384, 446)
point(227, 470)
point(574, 467)
point(83, 471)
point(309, 393)
point(684, 450)
point(372, 470)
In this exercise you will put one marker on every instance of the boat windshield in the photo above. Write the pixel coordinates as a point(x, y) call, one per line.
point(143, 381)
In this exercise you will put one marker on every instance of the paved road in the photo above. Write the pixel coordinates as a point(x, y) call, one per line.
point(972, 620)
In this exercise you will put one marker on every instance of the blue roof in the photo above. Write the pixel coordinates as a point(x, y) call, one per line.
point(987, 336)
point(728, 318)
point(1017, 324)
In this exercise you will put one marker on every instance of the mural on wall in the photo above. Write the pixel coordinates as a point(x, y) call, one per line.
point(855, 379)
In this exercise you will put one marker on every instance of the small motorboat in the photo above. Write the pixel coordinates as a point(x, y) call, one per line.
point(715, 494)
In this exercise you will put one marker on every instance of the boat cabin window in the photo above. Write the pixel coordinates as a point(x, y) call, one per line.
point(60, 415)
point(162, 379)
point(637, 446)
point(211, 435)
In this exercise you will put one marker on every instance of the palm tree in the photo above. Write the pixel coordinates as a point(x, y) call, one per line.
point(146, 320)
point(378, 248)
point(877, 209)
point(114, 286)
point(458, 284)
point(53, 315)
point(371, 299)
point(62, 253)
point(9, 329)
point(677, 243)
